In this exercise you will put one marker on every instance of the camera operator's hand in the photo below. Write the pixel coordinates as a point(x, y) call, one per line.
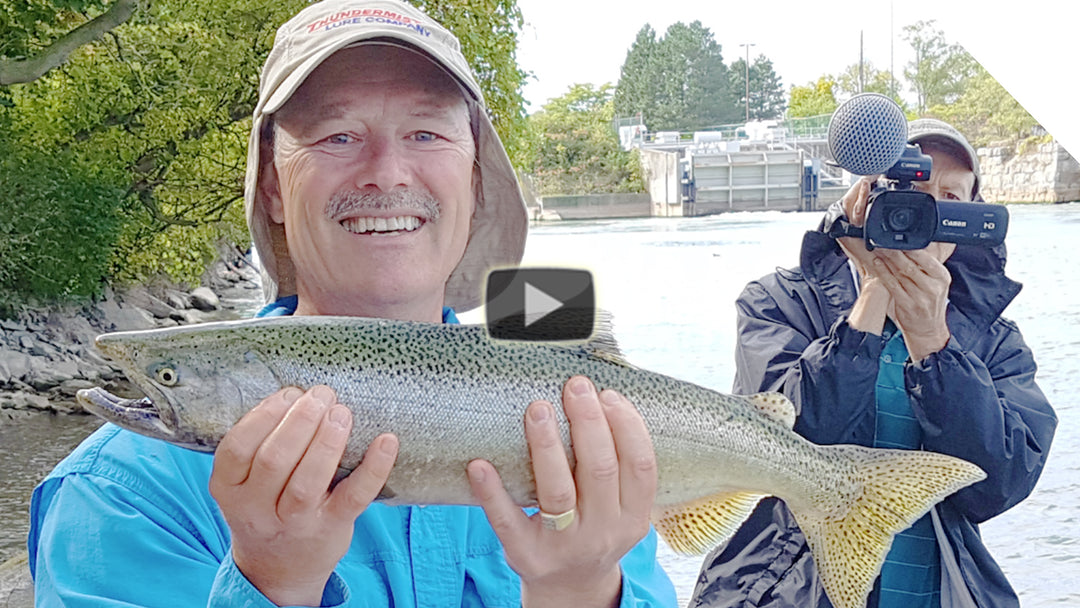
point(918, 284)
point(874, 301)
point(855, 203)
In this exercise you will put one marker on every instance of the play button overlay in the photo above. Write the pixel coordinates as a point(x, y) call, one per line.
point(540, 304)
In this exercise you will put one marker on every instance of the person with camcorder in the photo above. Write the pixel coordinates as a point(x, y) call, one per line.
point(889, 334)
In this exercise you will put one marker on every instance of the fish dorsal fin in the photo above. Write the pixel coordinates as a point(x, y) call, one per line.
point(602, 344)
point(695, 527)
point(774, 405)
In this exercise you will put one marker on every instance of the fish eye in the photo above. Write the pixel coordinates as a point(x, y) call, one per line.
point(167, 376)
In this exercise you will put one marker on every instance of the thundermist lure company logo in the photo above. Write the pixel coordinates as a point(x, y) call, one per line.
point(369, 16)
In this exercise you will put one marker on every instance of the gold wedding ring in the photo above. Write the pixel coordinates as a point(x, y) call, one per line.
point(557, 522)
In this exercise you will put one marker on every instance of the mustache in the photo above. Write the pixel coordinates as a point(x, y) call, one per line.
point(346, 203)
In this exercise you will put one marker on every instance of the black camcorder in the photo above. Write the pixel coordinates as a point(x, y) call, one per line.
point(900, 217)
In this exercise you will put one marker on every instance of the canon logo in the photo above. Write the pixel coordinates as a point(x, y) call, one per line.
point(954, 223)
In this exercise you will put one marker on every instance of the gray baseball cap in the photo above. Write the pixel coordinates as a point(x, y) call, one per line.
point(500, 220)
point(932, 130)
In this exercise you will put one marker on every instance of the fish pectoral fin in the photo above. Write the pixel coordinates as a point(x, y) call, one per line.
point(693, 528)
point(774, 405)
point(849, 542)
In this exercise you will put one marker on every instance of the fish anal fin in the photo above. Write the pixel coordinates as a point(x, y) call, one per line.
point(695, 527)
point(774, 405)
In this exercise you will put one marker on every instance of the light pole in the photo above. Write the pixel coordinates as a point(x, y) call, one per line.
point(748, 45)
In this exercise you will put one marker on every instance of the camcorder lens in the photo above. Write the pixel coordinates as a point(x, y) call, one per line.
point(901, 219)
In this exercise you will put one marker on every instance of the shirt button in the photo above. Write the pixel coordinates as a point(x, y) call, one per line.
point(887, 358)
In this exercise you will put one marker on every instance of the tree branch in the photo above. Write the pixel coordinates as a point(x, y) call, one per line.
point(14, 71)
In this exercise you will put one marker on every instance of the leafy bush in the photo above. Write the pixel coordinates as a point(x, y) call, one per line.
point(58, 229)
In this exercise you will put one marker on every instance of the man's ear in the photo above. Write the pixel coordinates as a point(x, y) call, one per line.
point(270, 190)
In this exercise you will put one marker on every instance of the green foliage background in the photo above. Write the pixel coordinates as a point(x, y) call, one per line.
point(126, 164)
point(678, 82)
point(575, 148)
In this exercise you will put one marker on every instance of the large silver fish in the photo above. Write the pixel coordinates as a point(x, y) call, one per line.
point(451, 394)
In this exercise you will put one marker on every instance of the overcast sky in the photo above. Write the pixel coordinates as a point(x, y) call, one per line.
point(1023, 43)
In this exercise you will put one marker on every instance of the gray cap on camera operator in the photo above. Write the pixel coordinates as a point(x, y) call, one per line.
point(933, 132)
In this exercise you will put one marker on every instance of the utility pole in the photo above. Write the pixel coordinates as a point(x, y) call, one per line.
point(748, 45)
point(861, 79)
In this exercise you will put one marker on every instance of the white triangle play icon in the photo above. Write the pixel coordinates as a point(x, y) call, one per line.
point(538, 304)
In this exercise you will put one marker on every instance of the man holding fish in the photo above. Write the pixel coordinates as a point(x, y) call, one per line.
point(376, 187)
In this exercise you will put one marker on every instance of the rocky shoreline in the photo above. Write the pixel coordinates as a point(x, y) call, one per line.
point(46, 356)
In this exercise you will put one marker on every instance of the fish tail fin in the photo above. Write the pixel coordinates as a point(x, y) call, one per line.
point(895, 489)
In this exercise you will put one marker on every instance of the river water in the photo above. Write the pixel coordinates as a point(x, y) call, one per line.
point(671, 284)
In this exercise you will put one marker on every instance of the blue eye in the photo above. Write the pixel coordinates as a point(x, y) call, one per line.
point(339, 138)
point(425, 136)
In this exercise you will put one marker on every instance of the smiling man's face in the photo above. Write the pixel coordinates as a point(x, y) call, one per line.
point(372, 177)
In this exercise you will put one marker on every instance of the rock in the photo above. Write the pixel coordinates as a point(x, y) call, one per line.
point(188, 317)
point(78, 330)
point(68, 388)
point(12, 325)
point(202, 298)
point(14, 365)
point(24, 401)
point(142, 298)
point(177, 299)
point(131, 318)
point(48, 374)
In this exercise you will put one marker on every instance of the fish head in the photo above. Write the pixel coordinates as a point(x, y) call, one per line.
point(198, 381)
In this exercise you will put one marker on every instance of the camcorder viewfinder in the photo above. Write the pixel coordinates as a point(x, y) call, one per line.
point(901, 217)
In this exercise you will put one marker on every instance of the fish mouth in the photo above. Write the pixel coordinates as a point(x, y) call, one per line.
point(139, 415)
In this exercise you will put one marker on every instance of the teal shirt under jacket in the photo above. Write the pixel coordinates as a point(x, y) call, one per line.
point(126, 520)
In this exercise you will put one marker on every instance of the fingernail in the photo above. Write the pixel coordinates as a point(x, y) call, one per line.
point(291, 394)
point(389, 445)
point(340, 416)
point(580, 386)
point(477, 472)
point(540, 412)
point(323, 394)
point(609, 397)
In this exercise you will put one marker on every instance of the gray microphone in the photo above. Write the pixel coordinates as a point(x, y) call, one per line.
point(867, 134)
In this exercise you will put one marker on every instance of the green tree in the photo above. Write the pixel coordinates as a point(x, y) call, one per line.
point(690, 83)
point(767, 98)
point(488, 31)
point(577, 151)
point(939, 70)
point(39, 35)
point(814, 99)
point(636, 92)
point(872, 80)
point(986, 113)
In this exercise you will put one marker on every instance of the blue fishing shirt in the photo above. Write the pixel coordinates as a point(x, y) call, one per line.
point(126, 520)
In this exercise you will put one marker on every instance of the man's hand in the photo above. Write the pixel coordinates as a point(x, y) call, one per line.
point(611, 487)
point(911, 287)
point(874, 302)
point(918, 283)
point(855, 202)
point(271, 478)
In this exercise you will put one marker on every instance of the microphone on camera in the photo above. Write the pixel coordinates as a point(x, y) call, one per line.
point(867, 134)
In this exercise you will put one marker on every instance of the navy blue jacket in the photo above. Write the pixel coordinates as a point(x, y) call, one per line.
point(976, 399)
